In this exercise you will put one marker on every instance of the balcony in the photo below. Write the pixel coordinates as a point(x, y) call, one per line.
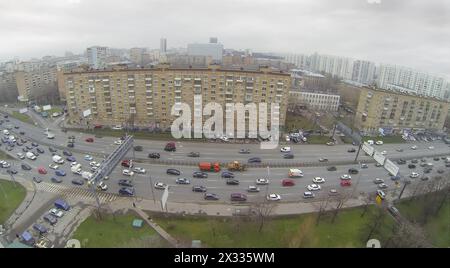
point(148, 79)
point(148, 85)
point(177, 90)
point(130, 85)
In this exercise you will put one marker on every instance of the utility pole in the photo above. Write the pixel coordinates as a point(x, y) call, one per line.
point(151, 188)
point(403, 189)
point(357, 154)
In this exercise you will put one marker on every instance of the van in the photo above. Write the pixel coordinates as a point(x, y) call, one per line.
point(294, 172)
point(62, 204)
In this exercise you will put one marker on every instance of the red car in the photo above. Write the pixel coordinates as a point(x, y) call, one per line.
point(287, 182)
point(98, 126)
point(42, 170)
point(346, 183)
point(89, 140)
point(127, 163)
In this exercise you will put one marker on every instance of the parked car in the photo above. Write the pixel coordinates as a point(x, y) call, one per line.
point(42, 170)
point(60, 172)
point(126, 191)
point(50, 219)
point(126, 183)
point(88, 157)
point(381, 194)
point(411, 166)
point(56, 212)
point(67, 153)
point(308, 195)
point(56, 179)
point(25, 166)
point(37, 180)
point(78, 181)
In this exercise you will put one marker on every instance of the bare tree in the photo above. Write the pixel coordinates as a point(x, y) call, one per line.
point(367, 201)
point(322, 209)
point(262, 211)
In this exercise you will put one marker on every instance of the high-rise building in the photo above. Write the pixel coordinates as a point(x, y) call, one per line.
point(363, 72)
point(136, 55)
point(399, 78)
point(97, 56)
point(214, 50)
point(163, 45)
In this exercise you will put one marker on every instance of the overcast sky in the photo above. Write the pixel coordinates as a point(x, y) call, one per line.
point(414, 33)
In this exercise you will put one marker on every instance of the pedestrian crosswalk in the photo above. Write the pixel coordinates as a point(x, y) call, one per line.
point(75, 193)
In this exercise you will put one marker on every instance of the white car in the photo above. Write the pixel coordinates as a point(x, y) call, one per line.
point(57, 213)
point(273, 197)
point(117, 127)
point(288, 138)
point(379, 143)
point(381, 194)
point(160, 185)
point(330, 143)
point(139, 170)
point(414, 147)
point(414, 175)
point(308, 195)
point(102, 186)
point(127, 172)
point(21, 155)
point(94, 168)
point(118, 142)
point(318, 180)
point(224, 138)
point(94, 164)
point(346, 177)
point(313, 187)
point(73, 164)
point(262, 181)
point(383, 152)
point(431, 147)
point(53, 166)
point(285, 149)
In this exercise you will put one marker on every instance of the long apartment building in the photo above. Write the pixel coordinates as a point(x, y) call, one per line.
point(396, 111)
point(29, 83)
point(146, 96)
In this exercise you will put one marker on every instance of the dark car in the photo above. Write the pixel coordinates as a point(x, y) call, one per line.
point(67, 153)
point(71, 159)
point(211, 196)
point(393, 210)
point(34, 144)
point(378, 164)
point(51, 149)
point(254, 160)
point(56, 179)
point(411, 166)
point(440, 171)
point(50, 219)
point(40, 228)
point(70, 145)
point(173, 171)
point(415, 161)
point(22, 133)
point(18, 143)
point(332, 168)
point(401, 161)
point(154, 155)
point(16, 127)
point(194, 154)
point(29, 147)
point(25, 166)
point(60, 172)
point(199, 188)
point(11, 171)
point(78, 181)
point(200, 174)
point(126, 191)
point(126, 183)
point(39, 150)
point(288, 156)
point(227, 174)
point(138, 148)
point(37, 179)
point(425, 178)
point(244, 151)
point(436, 158)
point(232, 182)
point(427, 170)
point(447, 165)
point(351, 150)
point(353, 171)
point(238, 197)
point(24, 150)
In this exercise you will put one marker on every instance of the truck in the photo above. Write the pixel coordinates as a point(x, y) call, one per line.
point(207, 166)
point(58, 159)
point(76, 169)
point(86, 175)
point(170, 147)
point(295, 173)
point(236, 166)
point(30, 155)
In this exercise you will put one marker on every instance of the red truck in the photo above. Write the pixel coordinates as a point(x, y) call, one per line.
point(170, 146)
point(206, 166)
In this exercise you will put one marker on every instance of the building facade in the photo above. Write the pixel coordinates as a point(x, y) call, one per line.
point(97, 56)
point(320, 101)
point(34, 83)
point(363, 72)
point(145, 97)
point(213, 50)
point(395, 112)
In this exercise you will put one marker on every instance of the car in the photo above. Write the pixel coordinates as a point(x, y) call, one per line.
point(22, 132)
point(227, 174)
point(411, 166)
point(50, 219)
point(94, 164)
point(424, 178)
point(399, 150)
point(322, 159)
point(9, 148)
point(288, 182)
point(378, 181)
point(364, 166)
point(29, 147)
point(440, 171)
point(37, 179)
point(332, 168)
point(42, 170)
point(414, 161)
point(154, 155)
point(200, 174)
point(126, 183)
point(11, 171)
point(199, 188)
point(60, 172)
point(318, 180)
point(232, 182)
point(56, 179)
point(56, 212)
point(288, 156)
point(254, 160)
point(182, 181)
point(138, 148)
point(39, 150)
point(126, 191)
point(353, 171)
point(71, 159)
point(424, 164)
point(262, 181)
point(414, 175)
point(273, 197)
point(313, 187)
point(88, 157)
point(118, 142)
point(333, 192)
point(102, 186)
point(431, 147)
point(194, 154)
point(70, 145)
point(25, 150)
point(172, 171)
point(346, 177)
point(351, 150)
point(53, 166)
point(286, 149)
point(253, 189)
point(21, 155)
point(210, 196)
point(25, 166)
point(117, 127)
point(34, 144)
point(436, 158)
point(139, 170)
point(160, 186)
point(383, 153)
point(383, 186)
point(345, 183)
point(78, 181)
point(393, 210)
point(330, 143)
point(67, 153)
point(379, 143)
point(224, 138)
point(238, 197)
point(41, 229)
point(447, 165)
point(381, 194)
point(414, 147)
point(308, 194)
point(89, 140)
point(127, 172)
point(401, 161)
point(244, 151)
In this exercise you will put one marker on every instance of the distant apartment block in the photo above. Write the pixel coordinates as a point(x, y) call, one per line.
point(97, 56)
point(314, 100)
point(213, 50)
point(31, 83)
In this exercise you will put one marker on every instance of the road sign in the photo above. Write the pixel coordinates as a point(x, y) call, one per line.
point(164, 197)
point(368, 149)
point(379, 157)
point(391, 167)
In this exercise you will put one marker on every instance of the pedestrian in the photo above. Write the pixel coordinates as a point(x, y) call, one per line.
point(134, 205)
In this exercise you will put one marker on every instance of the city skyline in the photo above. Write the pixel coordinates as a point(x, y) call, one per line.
point(319, 24)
